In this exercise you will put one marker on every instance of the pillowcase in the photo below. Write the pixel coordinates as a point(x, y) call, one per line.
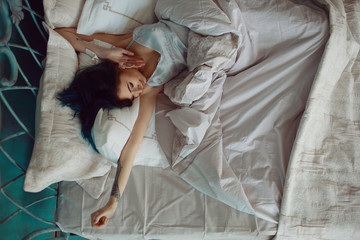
point(112, 129)
point(58, 134)
point(64, 13)
point(114, 16)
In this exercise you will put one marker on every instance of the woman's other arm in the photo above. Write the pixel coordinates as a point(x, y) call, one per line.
point(101, 217)
point(82, 43)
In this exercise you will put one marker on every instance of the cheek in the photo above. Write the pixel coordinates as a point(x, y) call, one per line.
point(118, 93)
point(118, 87)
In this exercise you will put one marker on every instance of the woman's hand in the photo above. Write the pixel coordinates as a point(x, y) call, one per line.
point(124, 58)
point(100, 218)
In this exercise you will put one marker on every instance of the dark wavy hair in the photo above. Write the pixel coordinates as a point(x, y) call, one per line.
point(93, 88)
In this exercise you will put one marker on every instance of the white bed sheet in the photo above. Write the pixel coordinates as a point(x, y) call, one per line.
point(261, 107)
point(158, 204)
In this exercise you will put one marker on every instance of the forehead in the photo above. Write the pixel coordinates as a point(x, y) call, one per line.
point(129, 73)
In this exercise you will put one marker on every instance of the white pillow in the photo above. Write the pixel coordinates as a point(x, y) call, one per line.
point(112, 128)
point(62, 13)
point(115, 16)
point(58, 134)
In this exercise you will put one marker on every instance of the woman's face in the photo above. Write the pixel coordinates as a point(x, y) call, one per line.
point(131, 84)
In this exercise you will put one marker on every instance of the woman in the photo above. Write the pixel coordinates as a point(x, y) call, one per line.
point(147, 58)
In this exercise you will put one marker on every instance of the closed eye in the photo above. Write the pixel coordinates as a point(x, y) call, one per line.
point(132, 98)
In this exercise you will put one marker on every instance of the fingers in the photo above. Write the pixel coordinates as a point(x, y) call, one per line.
point(132, 59)
point(99, 221)
point(103, 221)
point(126, 52)
point(95, 217)
point(131, 64)
point(126, 59)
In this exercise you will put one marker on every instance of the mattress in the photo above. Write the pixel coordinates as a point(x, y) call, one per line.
point(262, 102)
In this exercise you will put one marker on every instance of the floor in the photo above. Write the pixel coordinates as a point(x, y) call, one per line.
point(22, 49)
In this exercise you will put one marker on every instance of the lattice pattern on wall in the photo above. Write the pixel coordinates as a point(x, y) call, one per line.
point(22, 49)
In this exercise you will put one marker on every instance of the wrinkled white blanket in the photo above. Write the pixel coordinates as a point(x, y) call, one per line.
point(197, 152)
point(212, 49)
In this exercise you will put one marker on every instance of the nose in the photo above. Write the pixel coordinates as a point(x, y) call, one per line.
point(136, 90)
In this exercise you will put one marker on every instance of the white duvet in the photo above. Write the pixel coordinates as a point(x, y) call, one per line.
point(194, 141)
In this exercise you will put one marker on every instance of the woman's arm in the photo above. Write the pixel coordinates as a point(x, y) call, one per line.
point(82, 43)
point(101, 217)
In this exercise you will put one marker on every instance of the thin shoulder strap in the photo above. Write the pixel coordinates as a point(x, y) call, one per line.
point(131, 43)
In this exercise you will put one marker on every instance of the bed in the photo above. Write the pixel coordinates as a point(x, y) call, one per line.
point(226, 165)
